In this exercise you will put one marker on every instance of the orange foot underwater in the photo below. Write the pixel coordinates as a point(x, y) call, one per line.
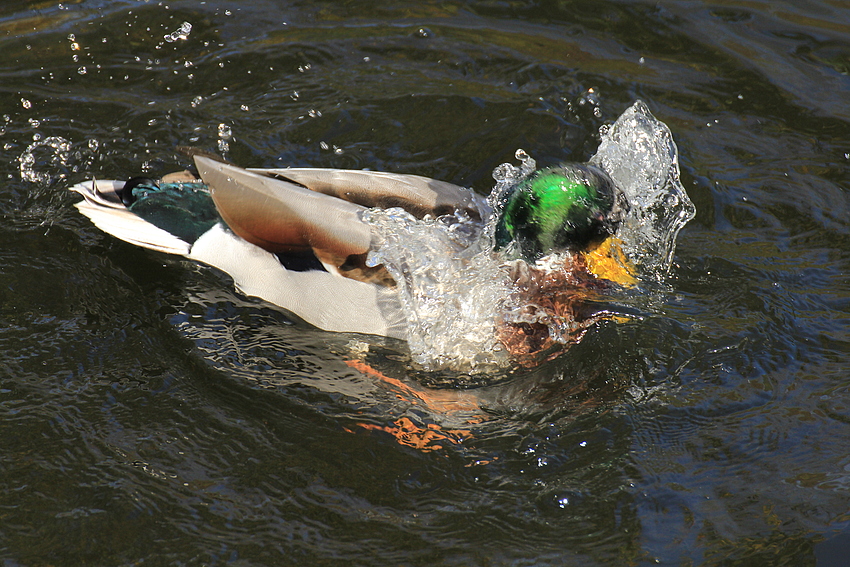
point(423, 436)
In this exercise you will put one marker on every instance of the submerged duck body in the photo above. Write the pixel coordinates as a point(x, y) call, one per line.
point(297, 239)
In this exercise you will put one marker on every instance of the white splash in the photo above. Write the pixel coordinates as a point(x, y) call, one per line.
point(639, 154)
point(450, 285)
point(454, 288)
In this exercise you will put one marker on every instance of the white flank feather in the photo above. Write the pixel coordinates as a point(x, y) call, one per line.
point(322, 299)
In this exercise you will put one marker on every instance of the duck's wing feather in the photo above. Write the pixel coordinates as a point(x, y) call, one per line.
point(417, 195)
point(281, 216)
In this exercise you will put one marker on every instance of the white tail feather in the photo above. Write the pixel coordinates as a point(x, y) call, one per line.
point(116, 220)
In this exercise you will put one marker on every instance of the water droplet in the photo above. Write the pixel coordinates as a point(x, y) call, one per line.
point(181, 33)
point(225, 134)
point(58, 152)
point(26, 104)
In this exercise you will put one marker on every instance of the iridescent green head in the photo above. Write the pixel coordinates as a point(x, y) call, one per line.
point(567, 207)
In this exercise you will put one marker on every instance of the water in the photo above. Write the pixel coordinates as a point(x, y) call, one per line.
point(454, 289)
point(150, 414)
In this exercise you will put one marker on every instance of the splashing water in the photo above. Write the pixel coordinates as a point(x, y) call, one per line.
point(454, 289)
point(639, 154)
point(450, 286)
point(58, 151)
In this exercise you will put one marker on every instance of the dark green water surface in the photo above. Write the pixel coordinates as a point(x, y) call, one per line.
point(150, 415)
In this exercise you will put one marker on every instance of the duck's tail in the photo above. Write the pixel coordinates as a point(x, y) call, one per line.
point(103, 205)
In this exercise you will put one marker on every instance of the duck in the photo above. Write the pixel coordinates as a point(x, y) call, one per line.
point(296, 237)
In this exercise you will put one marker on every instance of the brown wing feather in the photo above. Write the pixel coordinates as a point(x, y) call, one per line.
point(280, 216)
point(299, 209)
point(417, 195)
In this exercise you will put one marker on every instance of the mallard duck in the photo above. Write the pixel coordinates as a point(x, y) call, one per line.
point(295, 237)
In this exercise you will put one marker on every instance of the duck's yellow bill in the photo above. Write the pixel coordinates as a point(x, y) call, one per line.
point(608, 261)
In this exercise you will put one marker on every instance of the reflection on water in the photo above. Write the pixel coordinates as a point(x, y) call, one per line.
point(150, 414)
